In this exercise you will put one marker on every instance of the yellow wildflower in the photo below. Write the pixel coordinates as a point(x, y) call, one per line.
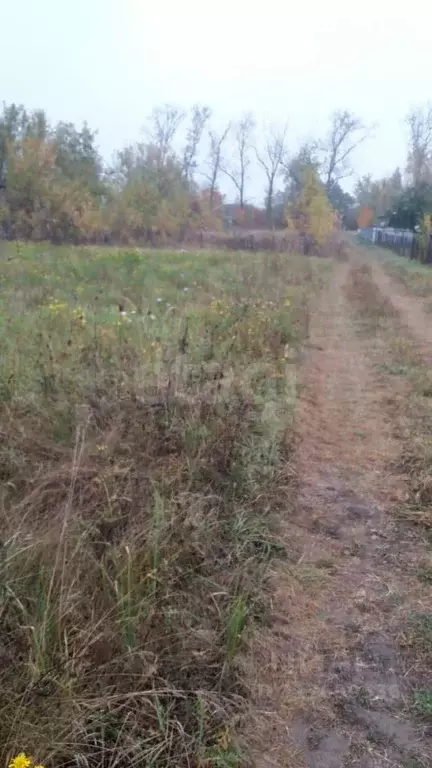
point(57, 306)
point(287, 303)
point(20, 761)
point(224, 739)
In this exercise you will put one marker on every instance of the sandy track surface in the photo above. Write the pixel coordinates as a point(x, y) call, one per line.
point(331, 687)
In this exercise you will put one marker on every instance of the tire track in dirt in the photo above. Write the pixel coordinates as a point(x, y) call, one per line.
point(410, 309)
point(330, 687)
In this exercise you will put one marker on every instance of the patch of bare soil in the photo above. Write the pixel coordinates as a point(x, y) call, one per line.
point(330, 684)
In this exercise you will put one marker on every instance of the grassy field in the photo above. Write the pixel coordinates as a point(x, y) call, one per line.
point(146, 409)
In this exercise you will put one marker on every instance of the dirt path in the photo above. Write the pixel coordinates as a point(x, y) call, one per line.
point(331, 686)
point(410, 308)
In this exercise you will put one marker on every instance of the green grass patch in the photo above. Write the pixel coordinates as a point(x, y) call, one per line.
point(420, 631)
point(425, 574)
point(423, 703)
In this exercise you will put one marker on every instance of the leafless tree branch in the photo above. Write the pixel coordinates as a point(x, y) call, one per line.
point(164, 124)
point(214, 161)
point(237, 171)
point(199, 118)
point(270, 159)
point(346, 133)
point(419, 122)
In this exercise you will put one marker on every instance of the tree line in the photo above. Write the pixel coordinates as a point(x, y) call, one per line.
point(402, 199)
point(54, 184)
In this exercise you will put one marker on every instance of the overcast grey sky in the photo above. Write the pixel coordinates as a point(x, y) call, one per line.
point(111, 61)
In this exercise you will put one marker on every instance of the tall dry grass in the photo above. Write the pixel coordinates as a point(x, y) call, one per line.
point(145, 417)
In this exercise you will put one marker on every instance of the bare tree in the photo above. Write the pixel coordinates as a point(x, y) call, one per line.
point(215, 159)
point(345, 134)
point(420, 144)
point(199, 118)
point(270, 159)
point(164, 124)
point(238, 171)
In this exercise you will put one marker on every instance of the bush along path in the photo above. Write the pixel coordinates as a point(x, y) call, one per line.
point(343, 677)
